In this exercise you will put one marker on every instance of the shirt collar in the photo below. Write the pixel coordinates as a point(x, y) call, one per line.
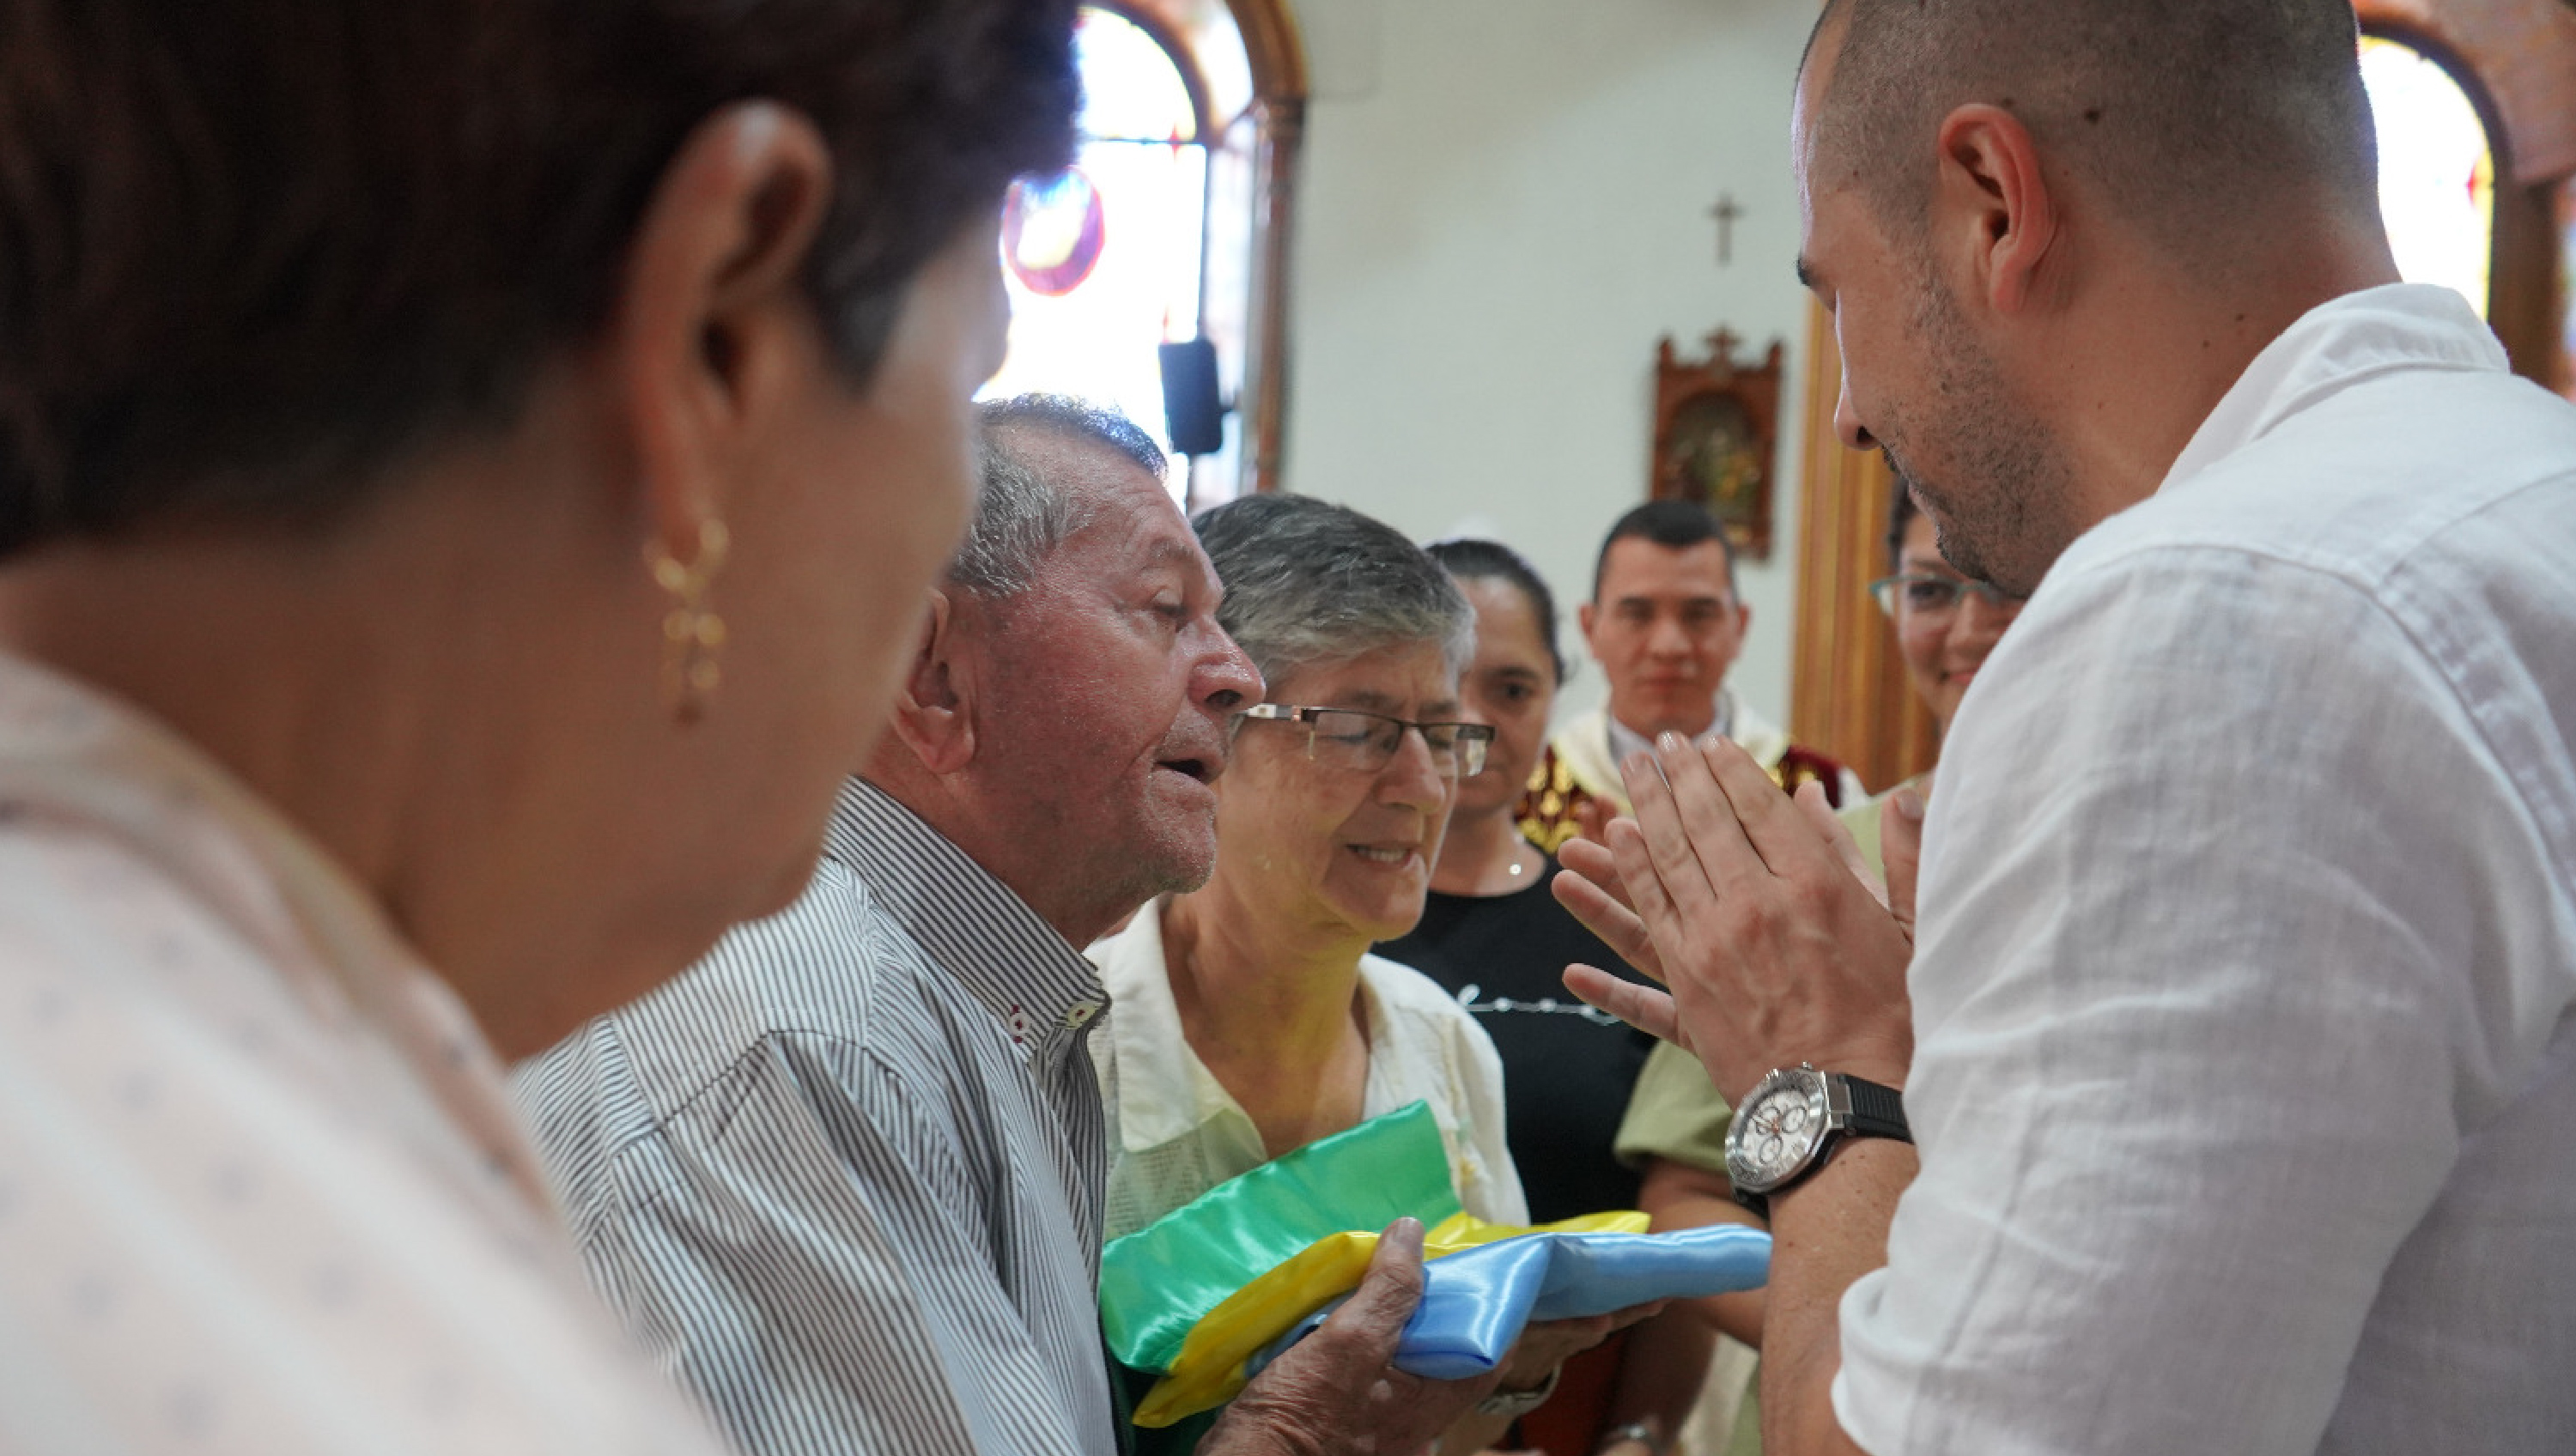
point(1625, 740)
point(1164, 1090)
point(975, 928)
point(2332, 347)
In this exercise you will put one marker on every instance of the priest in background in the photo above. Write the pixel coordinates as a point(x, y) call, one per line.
point(1665, 624)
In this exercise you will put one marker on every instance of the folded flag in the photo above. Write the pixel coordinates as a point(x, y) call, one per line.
point(1160, 1281)
point(1217, 1357)
point(1476, 1301)
point(1210, 1292)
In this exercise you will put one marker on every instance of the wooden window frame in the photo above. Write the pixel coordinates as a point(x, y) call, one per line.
point(1277, 55)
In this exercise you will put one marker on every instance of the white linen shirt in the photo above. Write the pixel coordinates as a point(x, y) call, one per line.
point(1175, 1132)
point(260, 1187)
point(2245, 1079)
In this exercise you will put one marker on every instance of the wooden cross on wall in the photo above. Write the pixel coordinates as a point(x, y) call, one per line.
point(1726, 212)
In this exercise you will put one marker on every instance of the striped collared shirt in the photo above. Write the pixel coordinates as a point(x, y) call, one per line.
point(844, 1175)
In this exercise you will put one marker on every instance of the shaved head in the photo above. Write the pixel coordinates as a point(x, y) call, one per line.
point(2191, 120)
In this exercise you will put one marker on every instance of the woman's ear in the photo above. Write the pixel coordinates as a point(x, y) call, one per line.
point(706, 334)
point(934, 710)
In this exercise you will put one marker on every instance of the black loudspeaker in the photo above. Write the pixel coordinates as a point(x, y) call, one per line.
point(1192, 413)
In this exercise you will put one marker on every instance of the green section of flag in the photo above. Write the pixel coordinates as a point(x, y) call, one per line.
point(1164, 1278)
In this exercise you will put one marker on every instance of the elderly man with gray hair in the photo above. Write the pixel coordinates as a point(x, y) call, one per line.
point(844, 1176)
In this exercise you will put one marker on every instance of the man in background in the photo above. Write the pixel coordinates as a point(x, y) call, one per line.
point(1666, 624)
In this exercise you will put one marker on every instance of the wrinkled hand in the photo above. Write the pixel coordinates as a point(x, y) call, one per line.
point(1749, 911)
point(1335, 1391)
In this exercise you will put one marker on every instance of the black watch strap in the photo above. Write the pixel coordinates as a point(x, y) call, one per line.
point(1877, 1111)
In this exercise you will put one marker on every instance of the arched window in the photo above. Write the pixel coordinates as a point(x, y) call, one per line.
point(1164, 230)
point(2450, 77)
point(2437, 169)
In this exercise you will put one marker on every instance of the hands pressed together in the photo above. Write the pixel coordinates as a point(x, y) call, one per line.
point(1757, 914)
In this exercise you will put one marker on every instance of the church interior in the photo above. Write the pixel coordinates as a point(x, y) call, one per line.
point(634, 820)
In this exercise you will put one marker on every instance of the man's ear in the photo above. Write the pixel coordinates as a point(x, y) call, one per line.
point(713, 323)
point(1991, 201)
point(934, 710)
point(1583, 623)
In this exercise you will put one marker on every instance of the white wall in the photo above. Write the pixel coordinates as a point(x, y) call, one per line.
point(1504, 204)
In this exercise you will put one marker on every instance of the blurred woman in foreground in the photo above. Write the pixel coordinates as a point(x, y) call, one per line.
point(443, 582)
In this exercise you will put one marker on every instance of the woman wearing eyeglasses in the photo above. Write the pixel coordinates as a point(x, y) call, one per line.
point(1249, 1017)
point(1494, 936)
point(1945, 625)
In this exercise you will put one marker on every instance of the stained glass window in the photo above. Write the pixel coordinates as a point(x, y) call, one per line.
point(1104, 262)
point(2436, 169)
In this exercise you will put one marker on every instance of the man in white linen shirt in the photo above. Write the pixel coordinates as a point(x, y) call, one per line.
point(845, 1174)
point(2239, 1060)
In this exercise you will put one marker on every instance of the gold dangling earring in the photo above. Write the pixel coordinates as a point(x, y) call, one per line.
point(693, 635)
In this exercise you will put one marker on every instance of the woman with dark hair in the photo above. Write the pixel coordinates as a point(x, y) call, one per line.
point(1945, 625)
point(469, 474)
point(1493, 936)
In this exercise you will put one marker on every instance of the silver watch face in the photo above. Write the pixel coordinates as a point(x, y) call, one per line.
point(1776, 1131)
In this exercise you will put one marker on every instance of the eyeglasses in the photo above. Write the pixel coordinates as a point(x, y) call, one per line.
point(1367, 742)
point(1924, 594)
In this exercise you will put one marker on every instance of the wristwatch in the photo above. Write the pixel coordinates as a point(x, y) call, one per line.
point(1791, 1121)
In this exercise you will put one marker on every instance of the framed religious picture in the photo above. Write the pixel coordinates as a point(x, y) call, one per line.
point(1716, 425)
